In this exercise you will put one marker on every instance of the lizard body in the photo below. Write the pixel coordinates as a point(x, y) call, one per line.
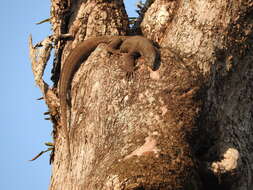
point(138, 45)
point(131, 45)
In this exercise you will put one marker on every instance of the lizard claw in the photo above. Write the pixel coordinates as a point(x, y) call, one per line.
point(129, 75)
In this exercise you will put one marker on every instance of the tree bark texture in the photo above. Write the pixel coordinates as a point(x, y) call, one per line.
point(187, 125)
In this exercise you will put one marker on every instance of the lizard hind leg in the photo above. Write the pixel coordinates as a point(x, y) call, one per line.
point(113, 46)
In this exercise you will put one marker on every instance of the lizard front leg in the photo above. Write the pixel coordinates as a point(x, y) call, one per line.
point(128, 62)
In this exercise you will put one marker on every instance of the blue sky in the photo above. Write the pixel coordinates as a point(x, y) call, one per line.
point(24, 129)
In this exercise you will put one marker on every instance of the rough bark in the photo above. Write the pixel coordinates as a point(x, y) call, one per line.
point(187, 125)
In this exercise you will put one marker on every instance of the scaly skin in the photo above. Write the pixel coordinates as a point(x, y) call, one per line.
point(138, 45)
point(128, 44)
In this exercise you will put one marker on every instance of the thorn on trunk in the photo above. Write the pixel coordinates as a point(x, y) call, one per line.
point(47, 113)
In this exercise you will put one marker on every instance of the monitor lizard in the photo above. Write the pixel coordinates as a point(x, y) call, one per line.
point(130, 45)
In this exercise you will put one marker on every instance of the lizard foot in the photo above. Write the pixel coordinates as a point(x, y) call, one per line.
point(129, 75)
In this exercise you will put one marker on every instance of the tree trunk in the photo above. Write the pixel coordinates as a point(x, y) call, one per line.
point(187, 125)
